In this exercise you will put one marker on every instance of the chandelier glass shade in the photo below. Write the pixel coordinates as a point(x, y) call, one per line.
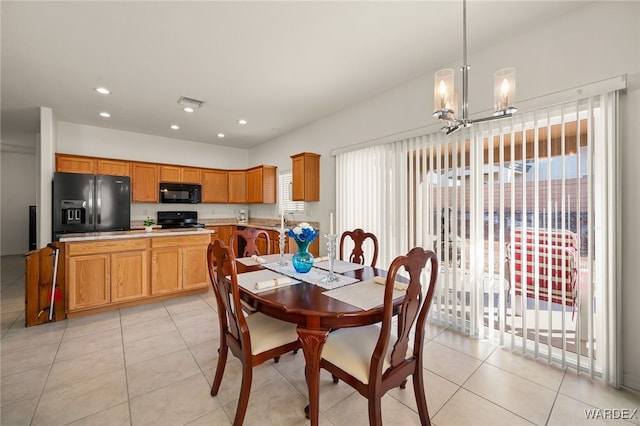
point(445, 100)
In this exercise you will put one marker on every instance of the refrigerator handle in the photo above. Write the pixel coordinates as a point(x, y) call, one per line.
point(90, 201)
point(98, 199)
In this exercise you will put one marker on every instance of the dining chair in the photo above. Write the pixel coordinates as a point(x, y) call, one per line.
point(358, 237)
point(373, 360)
point(250, 247)
point(252, 339)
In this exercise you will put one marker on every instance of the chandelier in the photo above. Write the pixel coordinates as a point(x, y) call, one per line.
point(445, 99)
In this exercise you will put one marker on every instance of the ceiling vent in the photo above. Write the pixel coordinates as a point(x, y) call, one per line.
point(190, 102)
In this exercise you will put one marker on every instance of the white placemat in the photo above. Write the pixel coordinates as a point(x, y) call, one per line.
point(339, 266)
point(364, 295)
point(268, 258)
point(314, 276)
point(248, 280)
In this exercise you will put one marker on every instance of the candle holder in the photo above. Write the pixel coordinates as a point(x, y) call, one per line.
point(281, 261)
point(331, 277)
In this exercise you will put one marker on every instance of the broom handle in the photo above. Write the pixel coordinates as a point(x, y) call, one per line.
point(53, 282)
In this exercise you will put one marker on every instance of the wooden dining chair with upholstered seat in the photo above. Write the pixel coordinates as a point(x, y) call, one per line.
point(250, 236)
point(252, 339)
point(358, 236)
point(373, 360)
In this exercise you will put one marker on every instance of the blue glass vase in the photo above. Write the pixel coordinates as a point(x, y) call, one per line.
point(302, 260)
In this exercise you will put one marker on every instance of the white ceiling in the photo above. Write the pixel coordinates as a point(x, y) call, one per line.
point(280, 65)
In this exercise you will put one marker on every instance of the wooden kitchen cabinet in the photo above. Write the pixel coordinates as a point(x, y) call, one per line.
point(222, 232)
point(179, 174)
point(261, 184)
point(100, 273)
point(170, 174)
point(88, 281)
point(166, 267)
point(112, 167)
point(75, 164)
point(129, 278)
point(215, 186)
point(305, 177)
point(144, 182)
point(237, 186)
point(179, 263)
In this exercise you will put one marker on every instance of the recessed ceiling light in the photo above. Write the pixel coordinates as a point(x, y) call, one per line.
point(221, 135)
point(175, 127)
point(242, 121)
point(103, 90)
point(105, 114)
point(188, 109)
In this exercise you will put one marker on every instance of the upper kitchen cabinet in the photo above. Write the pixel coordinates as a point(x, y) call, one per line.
point(144, 182)
point(112, 167)
point(261, 184)
point(306, 177)
point(215, 186)
point(75, 164)
point(180, 174)
point(237, 186)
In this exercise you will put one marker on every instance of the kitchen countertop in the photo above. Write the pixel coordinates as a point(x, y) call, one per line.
point(157, 232)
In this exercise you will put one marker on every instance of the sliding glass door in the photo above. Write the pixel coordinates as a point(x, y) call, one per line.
point(520, 214)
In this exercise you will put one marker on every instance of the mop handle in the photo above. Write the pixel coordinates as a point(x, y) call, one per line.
point(53, 282)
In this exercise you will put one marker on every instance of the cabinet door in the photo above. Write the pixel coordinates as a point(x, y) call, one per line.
point(129, 276)
point(237, 186)
point(254, 185)
point(215, 186)
point(306, 177)
point(191, 175)
point(194, 267)
point(112, 167)
point(89, 278)
point(75, 164)
point(144, 182)
point(170, 174)
point(166, 270)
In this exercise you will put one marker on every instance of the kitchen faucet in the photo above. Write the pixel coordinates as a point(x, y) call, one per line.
point(286, 219)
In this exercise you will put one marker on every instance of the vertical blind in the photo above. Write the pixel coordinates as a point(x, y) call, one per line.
point(522, 214)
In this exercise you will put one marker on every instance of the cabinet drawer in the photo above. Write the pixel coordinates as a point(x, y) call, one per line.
point(184, 240)
point(106, 246)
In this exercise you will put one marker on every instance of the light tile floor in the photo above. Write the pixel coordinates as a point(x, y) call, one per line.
point(154, 364)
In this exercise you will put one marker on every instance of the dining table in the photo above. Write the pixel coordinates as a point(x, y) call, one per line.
point(315, 313)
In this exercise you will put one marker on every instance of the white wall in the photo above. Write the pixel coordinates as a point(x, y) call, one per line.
point(101, 142)
point(18, 192)
point(597, 42)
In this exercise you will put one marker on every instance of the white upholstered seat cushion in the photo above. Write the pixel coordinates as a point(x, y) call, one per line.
point(350, 349)
point(268, 333)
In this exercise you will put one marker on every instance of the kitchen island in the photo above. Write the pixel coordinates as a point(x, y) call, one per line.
point(112, 270)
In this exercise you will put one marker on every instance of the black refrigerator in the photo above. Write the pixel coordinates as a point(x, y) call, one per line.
point(90, 203)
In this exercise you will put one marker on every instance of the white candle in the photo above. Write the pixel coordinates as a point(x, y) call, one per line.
point(331, 223)
point(282, 220)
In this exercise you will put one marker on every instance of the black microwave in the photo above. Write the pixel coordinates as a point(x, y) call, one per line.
point(186, 193)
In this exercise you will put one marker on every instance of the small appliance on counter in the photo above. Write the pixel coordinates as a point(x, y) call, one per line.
point(243, 216)
point(179, 219)
point(90, 203)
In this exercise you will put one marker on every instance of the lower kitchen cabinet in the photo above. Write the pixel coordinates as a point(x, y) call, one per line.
point(129, 278)
point(179, 263)
point(110, 274)
point(90, 279)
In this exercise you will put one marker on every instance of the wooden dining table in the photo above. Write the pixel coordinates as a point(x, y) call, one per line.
point(315, 315)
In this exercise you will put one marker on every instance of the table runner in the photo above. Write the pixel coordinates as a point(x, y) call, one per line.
point(314, 276)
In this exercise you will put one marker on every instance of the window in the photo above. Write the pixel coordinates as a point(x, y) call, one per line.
point(285, 182)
